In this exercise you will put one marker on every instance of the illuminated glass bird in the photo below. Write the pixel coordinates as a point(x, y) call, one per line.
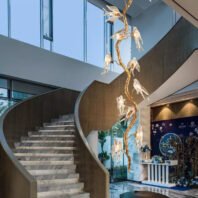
point(113, 14)
point(139, 88)
point(107, 63)
point(137, 38)
point(133, 65)
point(121, 104)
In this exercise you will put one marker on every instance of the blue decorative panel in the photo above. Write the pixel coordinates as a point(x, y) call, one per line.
point(177, 129)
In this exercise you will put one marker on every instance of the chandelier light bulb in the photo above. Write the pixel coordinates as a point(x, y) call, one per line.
point(133, 65)
point(107, 63)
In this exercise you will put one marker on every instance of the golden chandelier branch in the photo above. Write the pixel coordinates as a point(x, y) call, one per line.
point(131, 115)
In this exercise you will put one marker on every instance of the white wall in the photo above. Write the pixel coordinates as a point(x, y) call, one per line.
point(153, 24)
point(32, 63)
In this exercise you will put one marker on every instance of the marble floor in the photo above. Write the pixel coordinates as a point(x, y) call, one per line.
point(118, 188)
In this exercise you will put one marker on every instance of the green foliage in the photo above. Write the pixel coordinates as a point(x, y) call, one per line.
point(118, 129)
point(103, 156)
point(102, 138)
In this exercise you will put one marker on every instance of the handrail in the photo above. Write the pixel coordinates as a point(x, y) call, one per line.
point(17, 182)
point(93, 188)
point(6, 148)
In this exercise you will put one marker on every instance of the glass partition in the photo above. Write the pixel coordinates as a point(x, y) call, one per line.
point(111, 151)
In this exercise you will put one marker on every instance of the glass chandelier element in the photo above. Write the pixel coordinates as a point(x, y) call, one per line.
point(129, 112)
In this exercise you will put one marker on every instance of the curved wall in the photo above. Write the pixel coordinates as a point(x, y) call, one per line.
point(187, 9)
point(15, 181)
point(98, 105)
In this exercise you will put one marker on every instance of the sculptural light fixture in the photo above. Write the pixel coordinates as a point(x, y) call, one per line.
point(131, 109)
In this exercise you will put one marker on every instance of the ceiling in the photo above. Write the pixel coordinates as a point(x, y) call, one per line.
point(138, 7)
point(186, 8)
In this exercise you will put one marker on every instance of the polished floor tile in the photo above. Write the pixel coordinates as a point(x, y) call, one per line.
point(118, 188)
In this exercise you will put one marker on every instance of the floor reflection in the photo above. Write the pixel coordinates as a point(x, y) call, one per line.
point(118, 188)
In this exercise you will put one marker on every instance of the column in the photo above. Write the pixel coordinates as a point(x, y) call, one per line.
point(152, 172)
point(159, 173)
point(149, 172)
point(156, 173)
point(167, 174)
point(163, 175)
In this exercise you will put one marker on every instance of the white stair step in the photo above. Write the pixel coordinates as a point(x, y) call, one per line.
point(72, 188)
point(59, 125)
point(53, 136)
point(47, 162)
point(46, 144)
point(45, 148)
point(58, 181)
point(48, 141)
point(53, 177)
point(44, 154)
point(43, 158)
point(59, 122)
point(59, 194)
point(55, 130)
point(49, 138)
point(51, 167)
point(50, 172)
point(78, 195)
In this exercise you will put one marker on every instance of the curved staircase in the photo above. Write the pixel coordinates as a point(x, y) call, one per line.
point(48, 155)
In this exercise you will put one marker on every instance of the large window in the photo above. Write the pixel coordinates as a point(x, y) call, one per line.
point(3, 88)
point(25, 21)
point(4, 17)
point(95, 35)
point(68, 23)
point(75, 28)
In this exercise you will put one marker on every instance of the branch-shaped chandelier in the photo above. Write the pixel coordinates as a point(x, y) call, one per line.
point(129, 111)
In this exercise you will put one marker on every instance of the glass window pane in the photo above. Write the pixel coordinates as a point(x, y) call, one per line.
point(47, 19)
point(3, 93)
point(20, 95)
point(125, 47)
point(95, 35)
point(29, 88)
point(47, 44)
point(68, 27)
point(25, 21)
point(4, 83)
point(4, 17)
point(4, 105)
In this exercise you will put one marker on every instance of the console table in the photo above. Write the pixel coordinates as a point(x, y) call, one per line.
point(158, 173)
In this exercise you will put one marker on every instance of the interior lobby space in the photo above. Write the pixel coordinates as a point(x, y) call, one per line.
point(98, 99)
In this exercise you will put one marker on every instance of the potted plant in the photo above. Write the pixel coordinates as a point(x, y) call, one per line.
point(103, 156)
point(145, 149)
